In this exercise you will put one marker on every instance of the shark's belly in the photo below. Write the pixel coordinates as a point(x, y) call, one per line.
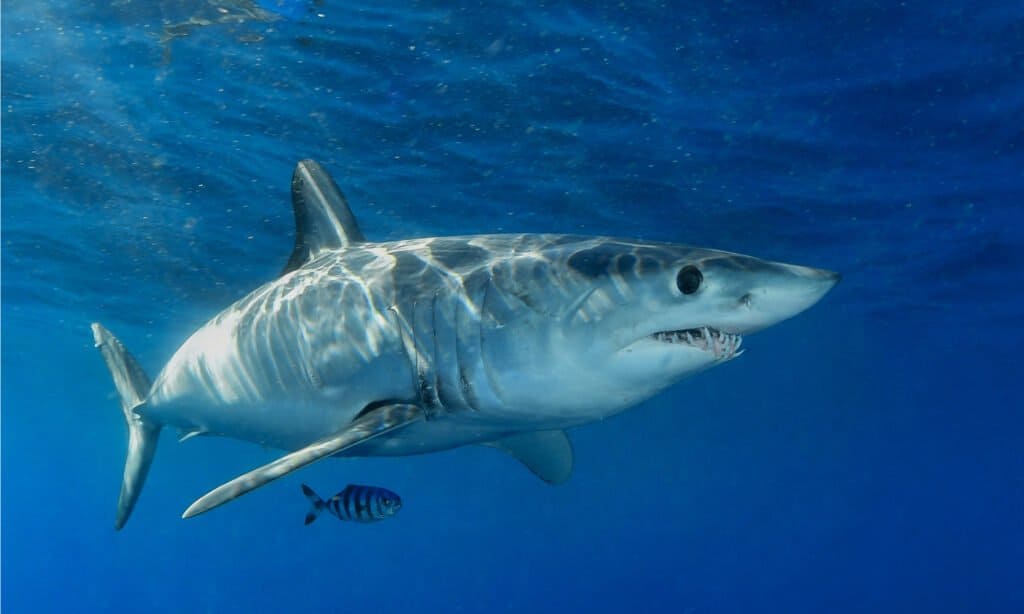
point(290, 426)
point(434, 436)
point(275, 424)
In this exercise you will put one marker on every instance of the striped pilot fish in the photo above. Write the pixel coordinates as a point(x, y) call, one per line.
point(356, 503)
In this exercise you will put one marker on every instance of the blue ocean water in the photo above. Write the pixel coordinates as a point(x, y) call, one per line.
point(865, 456)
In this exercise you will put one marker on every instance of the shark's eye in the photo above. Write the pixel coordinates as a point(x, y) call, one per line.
point(688, 280)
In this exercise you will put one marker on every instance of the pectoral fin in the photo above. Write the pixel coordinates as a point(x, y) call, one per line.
point(548, 454)
point(373, 424)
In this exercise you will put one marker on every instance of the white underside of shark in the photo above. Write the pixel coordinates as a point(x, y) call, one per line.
point(415, 346)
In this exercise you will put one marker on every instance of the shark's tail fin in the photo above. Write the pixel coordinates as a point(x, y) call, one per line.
point(132, 385)
point(318, 504)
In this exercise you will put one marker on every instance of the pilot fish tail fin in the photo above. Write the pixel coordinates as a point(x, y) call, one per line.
point(132, 386)
point(316, 501)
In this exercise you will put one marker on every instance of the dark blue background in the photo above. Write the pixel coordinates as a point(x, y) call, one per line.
point(866, 456)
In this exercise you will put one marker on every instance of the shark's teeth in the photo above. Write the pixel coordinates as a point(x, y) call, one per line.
point(724, 346)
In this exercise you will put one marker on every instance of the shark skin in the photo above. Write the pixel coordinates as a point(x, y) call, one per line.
point(420, 345)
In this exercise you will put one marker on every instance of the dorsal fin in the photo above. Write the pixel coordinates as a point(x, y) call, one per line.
point(322, 217)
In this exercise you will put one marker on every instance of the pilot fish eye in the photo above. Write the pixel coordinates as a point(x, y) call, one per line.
point(688, 280)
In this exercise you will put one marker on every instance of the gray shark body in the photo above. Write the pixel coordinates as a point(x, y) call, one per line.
point(422, 345)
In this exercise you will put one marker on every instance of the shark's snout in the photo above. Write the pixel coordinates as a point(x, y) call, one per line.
point(782, 291)
point(813, 283)
point(824, 278)
point(830, 279)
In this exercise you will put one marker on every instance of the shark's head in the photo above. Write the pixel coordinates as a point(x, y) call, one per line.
point(677, 311)
point(624, 320)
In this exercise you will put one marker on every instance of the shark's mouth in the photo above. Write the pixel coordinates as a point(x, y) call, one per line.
point(723, 345)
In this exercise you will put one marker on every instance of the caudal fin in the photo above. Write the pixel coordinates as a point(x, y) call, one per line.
point(318, 504)
point(132, 386)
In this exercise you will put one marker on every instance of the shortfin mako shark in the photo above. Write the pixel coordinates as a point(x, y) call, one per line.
point(406, 347)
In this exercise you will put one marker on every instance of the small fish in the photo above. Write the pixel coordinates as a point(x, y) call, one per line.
point(356, 503)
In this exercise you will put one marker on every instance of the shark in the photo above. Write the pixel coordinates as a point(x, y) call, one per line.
point(363, 348)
